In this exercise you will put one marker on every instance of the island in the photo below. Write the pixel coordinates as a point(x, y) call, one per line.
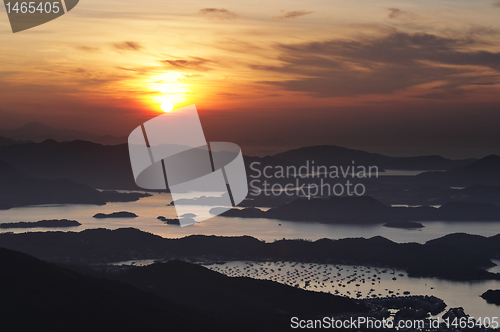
point(167, 221)
point(492, 296)
point(435, 258)
point(404, 224)
point(41, 223)
point(121, 214)
point(366, 210)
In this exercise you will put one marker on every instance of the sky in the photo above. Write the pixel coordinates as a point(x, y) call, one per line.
point(395, 77)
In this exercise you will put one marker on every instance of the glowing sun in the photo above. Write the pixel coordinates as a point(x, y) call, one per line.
point(167, 106)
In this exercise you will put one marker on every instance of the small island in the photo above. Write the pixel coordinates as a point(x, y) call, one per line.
point(492, 296)
point(404, 224)
point(121, 214)
point(167, 221)
point(41, 223)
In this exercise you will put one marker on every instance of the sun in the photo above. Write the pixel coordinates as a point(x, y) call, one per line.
point(167, 106)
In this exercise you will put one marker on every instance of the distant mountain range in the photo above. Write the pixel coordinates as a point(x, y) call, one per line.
point(39, 132)
point(328, 155)
point(20, 189)
point(108, 166)
point(485, 171)
point(93, 164)
point(7, 141)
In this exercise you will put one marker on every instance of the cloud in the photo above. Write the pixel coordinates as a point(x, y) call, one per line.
point(383, 65)
point(292, 14)
point(479, 30)
point(196, 64)
point(396, 13)
point(410, 20)
point(222, 14)
point(87, 48)
point(496, 3)
point(128, 46)
point(127, 69)
point(228, 94)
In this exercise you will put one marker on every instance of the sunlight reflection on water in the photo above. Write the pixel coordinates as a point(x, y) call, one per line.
point(366, 281)
point(149, 208)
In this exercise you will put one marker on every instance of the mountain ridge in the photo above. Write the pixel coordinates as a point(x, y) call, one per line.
point(38, 132)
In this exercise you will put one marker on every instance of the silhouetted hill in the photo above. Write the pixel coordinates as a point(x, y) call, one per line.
point(108, 166)
point(366, 210)
point(236, 299)
point(38, 132)
point(41, 223)
point(7, 141)
point(335, 209)
point(485, 171)
point(103, 167)
point(19, 189)
point(450, 258)
point(492, 296)
point(330, 155)
point(479, 243)
point(436, 195)
point(38, 296)
point(173, 296)
point(121, 214)
point(426, 163)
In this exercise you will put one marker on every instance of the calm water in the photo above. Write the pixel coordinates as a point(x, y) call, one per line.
point(265, 229)
point(455, 294)
point(367, 282)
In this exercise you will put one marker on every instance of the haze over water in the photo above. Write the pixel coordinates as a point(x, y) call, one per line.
point(149, 208)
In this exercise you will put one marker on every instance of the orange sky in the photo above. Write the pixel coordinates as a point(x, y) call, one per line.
point(364, 74)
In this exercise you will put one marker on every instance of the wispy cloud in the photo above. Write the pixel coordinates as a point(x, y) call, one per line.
point(195, 64)
point(496, 3)
point(222, 14)
point(384, 65)
point(292, 14)
point(87, 48)
point(403, 18)
point(128, 46)
point(398, 13)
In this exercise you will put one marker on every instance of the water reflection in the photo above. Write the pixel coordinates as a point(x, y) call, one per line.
point(366, 282)
point(150, 208)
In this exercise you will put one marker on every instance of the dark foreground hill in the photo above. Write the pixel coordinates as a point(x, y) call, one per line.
point(236, 299)
point(175, 296)
point(451, 257)
point(38, 296)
